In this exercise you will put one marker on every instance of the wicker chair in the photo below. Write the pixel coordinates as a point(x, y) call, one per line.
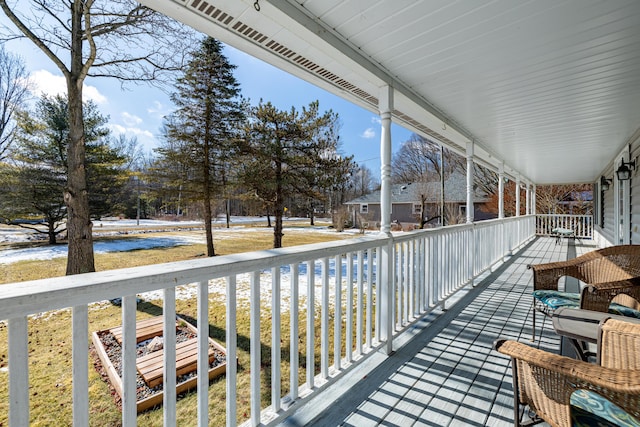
point(608, 273)
point(564, 391)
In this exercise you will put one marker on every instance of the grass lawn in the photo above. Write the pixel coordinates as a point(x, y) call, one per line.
point(50, 339)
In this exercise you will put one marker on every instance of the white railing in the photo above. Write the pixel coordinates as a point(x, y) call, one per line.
point(426, 267)
point(582, 225)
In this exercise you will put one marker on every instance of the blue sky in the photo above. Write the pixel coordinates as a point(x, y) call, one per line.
point(137, 110)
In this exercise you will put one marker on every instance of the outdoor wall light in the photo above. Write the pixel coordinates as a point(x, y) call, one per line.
point(624, 171)
point(604, 183)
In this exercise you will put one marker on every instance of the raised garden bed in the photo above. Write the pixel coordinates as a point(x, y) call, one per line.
point(149, 382)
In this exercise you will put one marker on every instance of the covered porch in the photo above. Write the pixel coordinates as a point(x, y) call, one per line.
point(540, 92)
point(445, 371)
point(379, 328)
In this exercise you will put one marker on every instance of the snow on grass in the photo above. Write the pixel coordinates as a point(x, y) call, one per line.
point(45, 252)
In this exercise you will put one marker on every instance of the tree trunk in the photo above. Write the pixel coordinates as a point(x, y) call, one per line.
point(207, 224)
point(279, 208)
point(311, 222)
point(206, 178)
point(51, 232)
point(268, 219)
point(226, 206)
point(277, 230)
point(80, 256)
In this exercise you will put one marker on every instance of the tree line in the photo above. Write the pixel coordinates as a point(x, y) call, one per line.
point(60, 165)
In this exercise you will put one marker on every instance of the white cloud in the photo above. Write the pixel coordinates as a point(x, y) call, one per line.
point(45, 82)
point(158, 110)
point(129, 119)
point(368, 133)
point(130, 130)
point(376, 120)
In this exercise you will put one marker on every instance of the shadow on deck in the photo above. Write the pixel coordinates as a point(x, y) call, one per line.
point(443, 371)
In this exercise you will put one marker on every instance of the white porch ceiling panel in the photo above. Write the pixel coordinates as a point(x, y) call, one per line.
point(550, 87)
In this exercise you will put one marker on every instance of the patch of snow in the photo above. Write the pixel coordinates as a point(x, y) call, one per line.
point(11, 234)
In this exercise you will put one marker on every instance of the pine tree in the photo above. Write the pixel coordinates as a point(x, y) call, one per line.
point(35, 183)
point(201, 134)
point(290, 154)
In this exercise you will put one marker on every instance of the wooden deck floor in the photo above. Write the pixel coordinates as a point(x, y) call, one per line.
point(448, 374)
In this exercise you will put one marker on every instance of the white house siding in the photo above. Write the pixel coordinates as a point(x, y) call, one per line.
point(604, 234)
point(635, 195)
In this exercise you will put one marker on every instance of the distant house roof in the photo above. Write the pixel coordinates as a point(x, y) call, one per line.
point(455, 188)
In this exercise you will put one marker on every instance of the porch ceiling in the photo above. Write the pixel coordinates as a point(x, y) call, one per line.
point(551, 87)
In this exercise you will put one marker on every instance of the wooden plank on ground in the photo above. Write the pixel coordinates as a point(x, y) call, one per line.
point(145, 329)
point(150, 366)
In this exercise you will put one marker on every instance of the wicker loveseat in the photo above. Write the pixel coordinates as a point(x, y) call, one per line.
point(609, 273)
point(568, 392)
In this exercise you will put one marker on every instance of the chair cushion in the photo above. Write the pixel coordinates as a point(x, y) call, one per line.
point(590, 409)
point(557, 299)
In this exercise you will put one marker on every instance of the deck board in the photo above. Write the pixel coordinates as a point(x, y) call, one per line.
point(449, 375)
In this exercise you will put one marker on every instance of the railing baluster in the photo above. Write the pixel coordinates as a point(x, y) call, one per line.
point(337, 321)
point(324, 321)
point(295, 331)
point(276, 334)
point(369, 297)
point(169, 356)
point(378, 293)
point(232, 353)
point(349, 324)
point(397, 280)
point(311, 314)
point(359, 311)
point(405, 284)
point(255, 348)
point(80, 356)
point(18, 372)
point(412, 280)
point(202, 315)
point(129, 410)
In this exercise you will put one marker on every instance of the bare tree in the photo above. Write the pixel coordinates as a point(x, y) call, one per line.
point(14, 89)
point(419, 159)
point(99, 38)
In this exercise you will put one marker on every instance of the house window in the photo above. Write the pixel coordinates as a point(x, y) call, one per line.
point(417, 208)
point(463, 210)
point(364, 209)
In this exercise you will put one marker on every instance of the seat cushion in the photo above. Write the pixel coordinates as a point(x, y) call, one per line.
point(557, 299)
point(590, 409)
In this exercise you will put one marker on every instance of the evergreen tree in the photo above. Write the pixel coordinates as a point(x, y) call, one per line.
point(86, 38)
point(36, 181)
point(290, 154)
point(201, 134)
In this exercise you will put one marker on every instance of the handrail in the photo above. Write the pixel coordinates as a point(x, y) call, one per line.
point(388, 283)
point(582, 225)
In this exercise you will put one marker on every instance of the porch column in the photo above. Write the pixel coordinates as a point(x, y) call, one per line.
point(528, 199)
point(386, 265)
point(470, 207)
point(518, 195)
point(386, 107)
point(501, 190)
point(533, 200)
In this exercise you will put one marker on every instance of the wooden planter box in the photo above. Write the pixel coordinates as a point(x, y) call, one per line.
point(150, 329)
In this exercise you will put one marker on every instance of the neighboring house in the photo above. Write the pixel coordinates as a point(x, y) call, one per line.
point(408, 200)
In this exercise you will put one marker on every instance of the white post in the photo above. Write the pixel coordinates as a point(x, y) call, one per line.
point(533, 200)
point(518, 195)
point(528, 199)
point(386, 107)
point(501, 191)
point(470, 182)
